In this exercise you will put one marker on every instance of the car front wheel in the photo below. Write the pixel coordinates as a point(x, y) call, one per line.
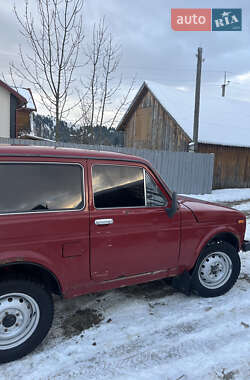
point(26, 314)
point(216, 270)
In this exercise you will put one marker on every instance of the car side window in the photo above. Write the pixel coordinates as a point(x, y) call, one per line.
point(33, 187)
point(118, 186)
point(154, 196)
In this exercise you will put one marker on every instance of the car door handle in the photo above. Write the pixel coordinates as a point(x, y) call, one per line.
point(101, 222)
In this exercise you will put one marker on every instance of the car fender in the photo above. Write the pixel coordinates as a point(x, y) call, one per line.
point(217, 230)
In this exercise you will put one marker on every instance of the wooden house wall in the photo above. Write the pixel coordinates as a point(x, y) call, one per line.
point(151, 127)
point(231, 165)
point(22, 121)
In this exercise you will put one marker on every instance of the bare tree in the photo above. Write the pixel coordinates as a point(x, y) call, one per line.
point(54, 36)
point(94, 54)
point(103, 87)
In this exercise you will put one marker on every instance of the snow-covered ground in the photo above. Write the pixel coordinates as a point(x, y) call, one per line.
point(226, 195)
point(148, 331)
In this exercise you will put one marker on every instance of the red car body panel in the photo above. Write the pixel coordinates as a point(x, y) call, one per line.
point(144, 232)
point(142, 244)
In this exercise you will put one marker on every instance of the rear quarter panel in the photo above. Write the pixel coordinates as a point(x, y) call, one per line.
point(57, 241)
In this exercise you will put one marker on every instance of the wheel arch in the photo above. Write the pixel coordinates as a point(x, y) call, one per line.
point(35, 271)
point(226, 236)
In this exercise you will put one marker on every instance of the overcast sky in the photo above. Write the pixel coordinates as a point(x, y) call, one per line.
point(151, 50)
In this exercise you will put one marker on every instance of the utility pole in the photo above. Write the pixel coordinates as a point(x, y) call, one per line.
point(226, 83)
point(197, 99)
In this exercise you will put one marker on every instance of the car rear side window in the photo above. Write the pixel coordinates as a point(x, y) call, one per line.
point(118, 186)
point(40, 187)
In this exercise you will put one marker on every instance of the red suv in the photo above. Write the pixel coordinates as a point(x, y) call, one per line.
point(74, 222)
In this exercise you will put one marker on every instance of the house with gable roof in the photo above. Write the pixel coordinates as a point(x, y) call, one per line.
point(161, 117)
point(17, 107)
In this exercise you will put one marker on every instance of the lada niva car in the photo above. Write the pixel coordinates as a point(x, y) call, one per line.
point(74, 222)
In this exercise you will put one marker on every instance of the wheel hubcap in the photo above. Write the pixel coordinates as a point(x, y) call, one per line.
point(19, 317)
point(215, 270)
point(9, 320)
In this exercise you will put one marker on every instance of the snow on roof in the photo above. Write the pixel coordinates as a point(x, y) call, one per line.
point(26, 93)
point(223, 120)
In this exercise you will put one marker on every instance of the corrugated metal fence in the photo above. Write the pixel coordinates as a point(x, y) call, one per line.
point(186, 173)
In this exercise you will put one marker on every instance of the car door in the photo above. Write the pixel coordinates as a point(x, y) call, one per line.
point(130, 231)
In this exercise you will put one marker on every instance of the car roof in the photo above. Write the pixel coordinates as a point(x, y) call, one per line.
point(58, 152)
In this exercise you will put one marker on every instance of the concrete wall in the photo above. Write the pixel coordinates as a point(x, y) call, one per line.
point(4, 113)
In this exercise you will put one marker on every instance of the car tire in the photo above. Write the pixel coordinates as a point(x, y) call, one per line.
point(26, 315)
point(216, 270)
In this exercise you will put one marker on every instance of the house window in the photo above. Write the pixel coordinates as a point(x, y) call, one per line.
point(40, 187)
point(146, 102)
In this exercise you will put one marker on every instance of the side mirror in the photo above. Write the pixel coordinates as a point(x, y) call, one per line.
point(172, 210)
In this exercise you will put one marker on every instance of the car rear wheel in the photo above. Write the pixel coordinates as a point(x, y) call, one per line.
point(216, 270)
point(26, 314)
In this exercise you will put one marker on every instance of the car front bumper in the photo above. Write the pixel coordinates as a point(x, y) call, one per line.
point(246, 246)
